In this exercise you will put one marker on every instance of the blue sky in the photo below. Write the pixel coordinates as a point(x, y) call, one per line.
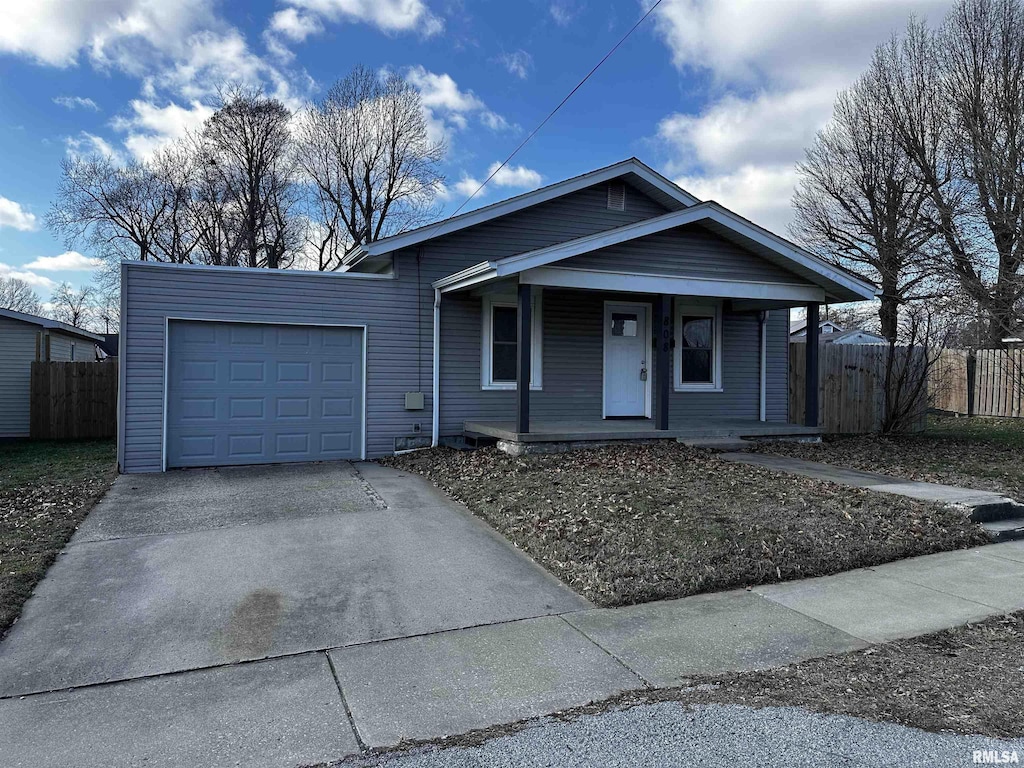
point(719, 95)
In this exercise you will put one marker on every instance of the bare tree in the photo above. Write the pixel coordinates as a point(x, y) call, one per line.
point(955, 99)
point(175, 166)
point(367, 150)
point(248, 180)
point(860, 204)
point(118, 211)
point(73, 307)
point(18, 295)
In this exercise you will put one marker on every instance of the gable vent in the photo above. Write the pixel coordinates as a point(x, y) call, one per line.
point(616, 197)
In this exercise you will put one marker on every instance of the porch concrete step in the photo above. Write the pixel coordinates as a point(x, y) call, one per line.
point(719, 444)
point(1000, 509)
point(1008, 529)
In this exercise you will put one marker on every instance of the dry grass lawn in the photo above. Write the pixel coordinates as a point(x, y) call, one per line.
point(982, 453)
point(46, 490)
point(634, 523)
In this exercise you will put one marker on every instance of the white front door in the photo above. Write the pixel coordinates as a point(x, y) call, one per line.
point(627, 346)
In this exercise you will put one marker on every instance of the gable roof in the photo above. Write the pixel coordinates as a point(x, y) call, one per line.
point(798, 325)
point(839, 285)
point(647, 180)
point(55, 325)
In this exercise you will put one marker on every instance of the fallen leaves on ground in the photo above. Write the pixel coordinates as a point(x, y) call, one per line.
point(43, 498)
point(639, 522)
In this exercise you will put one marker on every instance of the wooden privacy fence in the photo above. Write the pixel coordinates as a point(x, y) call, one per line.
point(73, 400)
point(986, 382)
point(851, 396)
point(998, 381)
point(948, 381)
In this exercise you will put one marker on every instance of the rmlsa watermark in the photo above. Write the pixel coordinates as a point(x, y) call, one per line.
point(995, 757)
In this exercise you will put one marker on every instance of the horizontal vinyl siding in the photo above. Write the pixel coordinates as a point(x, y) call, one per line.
point(740, 397)
point(393, 368)
point(567, 218)
point(573, 365)
point(17, 351)
point(572, 332)
point(685, 252)
point(60, 349)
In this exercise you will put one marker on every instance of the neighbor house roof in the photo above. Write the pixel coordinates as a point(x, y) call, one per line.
point(54, 325)
point(839, 285)
point(644, 178)
point(800, 324)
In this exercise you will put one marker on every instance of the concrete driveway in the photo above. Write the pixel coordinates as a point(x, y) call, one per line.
point(188, 570)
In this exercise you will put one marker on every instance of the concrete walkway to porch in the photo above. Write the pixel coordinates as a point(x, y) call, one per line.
point(325, 703)
point(1001, 516)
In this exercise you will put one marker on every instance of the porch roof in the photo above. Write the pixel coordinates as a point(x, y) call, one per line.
point(824, 282)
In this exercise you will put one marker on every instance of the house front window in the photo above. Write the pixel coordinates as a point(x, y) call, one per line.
point(698, 353)
point(500, 345)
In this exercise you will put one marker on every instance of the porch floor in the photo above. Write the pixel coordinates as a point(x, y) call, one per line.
point(581, 430)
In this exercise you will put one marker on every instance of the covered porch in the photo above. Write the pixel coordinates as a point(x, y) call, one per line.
point(658, 330)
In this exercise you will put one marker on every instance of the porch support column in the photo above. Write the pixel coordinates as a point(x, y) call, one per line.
point(662, 359)
point(811, 371)
point(523, 338)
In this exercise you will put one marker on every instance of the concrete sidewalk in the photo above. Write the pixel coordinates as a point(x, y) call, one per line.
point(1000, 516)
point(324, 705)
point(872, 481)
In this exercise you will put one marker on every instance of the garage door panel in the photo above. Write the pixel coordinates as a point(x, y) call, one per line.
point(245, 394)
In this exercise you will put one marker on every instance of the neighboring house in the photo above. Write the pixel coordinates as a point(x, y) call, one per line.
point(798, 328)
point(852, 336)
point(108, 346)
point(548, 317)
point(24, 339)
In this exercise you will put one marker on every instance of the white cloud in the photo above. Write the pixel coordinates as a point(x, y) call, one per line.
point(36, 281)
point(289, 26)
point(71, 261)
point(149, 127)
point(517, 177)
point(759, 192)
point(182, 47)
point(775, 70)
point(122, 32)
point(14, 216)
point(794, 41)
point(467, 185)
point(85, 144)
point(518, 63)
point(447, 107)
point(768, 128)
point(389, 16)
point(564, 11)
point(74, 102)
point(295, 26)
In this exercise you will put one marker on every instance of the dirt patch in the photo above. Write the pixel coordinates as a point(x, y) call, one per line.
point(46, 490)
point(985, 454)
point(968, 679)
point(634, 523)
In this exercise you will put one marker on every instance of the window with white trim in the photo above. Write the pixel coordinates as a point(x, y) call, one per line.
point(500, 346)
point(698, 350)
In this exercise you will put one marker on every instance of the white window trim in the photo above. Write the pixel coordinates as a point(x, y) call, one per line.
point(713, 311)
point(536, 342)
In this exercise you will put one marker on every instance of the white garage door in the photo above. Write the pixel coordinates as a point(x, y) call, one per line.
point(241, 393)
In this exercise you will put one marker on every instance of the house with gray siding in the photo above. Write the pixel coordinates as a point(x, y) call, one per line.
point(614, 305)
point(25, 339)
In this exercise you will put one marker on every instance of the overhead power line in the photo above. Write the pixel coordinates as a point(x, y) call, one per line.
point(552, 113)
